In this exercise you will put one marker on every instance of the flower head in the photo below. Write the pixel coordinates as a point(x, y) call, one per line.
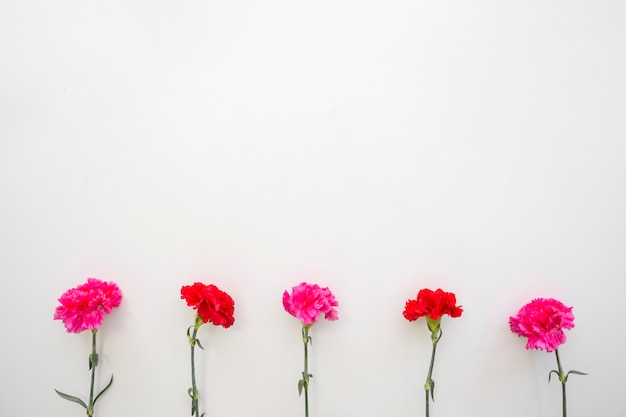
point(542, 321)
point(433, 304)
point(85, 306)
point(213, 304)
point(307, 301)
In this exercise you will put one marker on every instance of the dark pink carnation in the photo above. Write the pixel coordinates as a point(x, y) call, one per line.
point(307, 301)
point(85, 306)
point(542, 321)
point(213, 304)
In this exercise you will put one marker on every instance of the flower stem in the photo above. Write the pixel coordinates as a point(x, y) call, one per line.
point(193, 393)
point(563, 379)
point(305, 374)
point(429, 385)
point(93, 362)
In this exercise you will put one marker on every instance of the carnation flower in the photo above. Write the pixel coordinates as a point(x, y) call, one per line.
point(85, 306)
point(433, 305)
point(307, 301)
point(542, 321)
point(211, 303)
point(82, 308)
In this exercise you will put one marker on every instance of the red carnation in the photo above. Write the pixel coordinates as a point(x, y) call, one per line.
point(211, 303)
point(432, 303)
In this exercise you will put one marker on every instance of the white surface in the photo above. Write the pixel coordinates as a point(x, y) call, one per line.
point(373, 147)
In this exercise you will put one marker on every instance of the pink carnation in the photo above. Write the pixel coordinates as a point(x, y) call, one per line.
point(85, 306)
point(542, 321)
point(308, 301)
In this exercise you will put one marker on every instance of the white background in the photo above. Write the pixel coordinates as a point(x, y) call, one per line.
point(375, 147)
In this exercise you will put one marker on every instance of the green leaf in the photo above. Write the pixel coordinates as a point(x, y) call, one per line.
point(72, 399)
point(432, 390)
point(199, 344)
point(104, 389)
point(189, 338)
point(93, 360)
point(300, 386)
point(576, 373)
point(193, 394)
point(550, 374)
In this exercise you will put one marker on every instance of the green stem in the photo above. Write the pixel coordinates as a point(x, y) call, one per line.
point(429, 385)
point(306, 339)
point(563, 379)
point(194, 394)
point(93, 362)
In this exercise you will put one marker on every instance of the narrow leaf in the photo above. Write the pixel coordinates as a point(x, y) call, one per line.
point(576, 373)
point(72, 399)
point(190, 392)
point(432, 390)
point(104, 389)
point(550, 374)
point(93, 360)
point(199, 344)
point(300, 386)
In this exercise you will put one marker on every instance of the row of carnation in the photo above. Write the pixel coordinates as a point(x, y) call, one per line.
point(84, 307)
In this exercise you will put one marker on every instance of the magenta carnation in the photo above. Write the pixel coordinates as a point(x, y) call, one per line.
point(307, 301)
point(542, 321)
point(85, 306)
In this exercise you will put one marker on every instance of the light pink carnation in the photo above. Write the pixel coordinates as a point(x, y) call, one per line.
point(308, 301)
point(85, 306)
point(542, 321)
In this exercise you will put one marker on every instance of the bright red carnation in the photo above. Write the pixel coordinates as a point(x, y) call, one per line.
point(85, 306)
point(211, 303)
point(434, 304)
point(542, 321)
